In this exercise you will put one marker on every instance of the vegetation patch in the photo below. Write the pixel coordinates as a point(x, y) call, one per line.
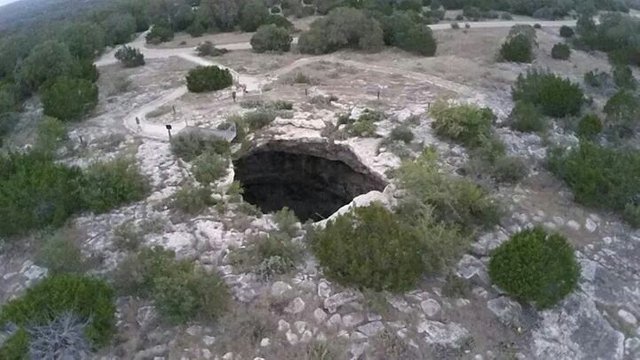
point(535, 266)
point(519, 45)
point(89, 299)
point(208, 78)
point(180, 291)
point(129, 57)
point(601, 177)
point(271, 38)
point(188, 145)
point(555, 96)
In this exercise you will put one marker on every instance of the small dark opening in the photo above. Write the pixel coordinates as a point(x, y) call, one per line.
point(313, 187)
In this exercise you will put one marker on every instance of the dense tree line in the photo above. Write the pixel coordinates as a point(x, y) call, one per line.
point(617, 34)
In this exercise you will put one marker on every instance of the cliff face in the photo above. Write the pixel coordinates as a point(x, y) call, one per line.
point(312, 179)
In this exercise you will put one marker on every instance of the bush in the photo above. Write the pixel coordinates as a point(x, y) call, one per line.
point(537, 26)
point(506, 16)
point(599, 177)
point(623, 77)
point(401, 133)
point(271, 38)
point(589, 126)
point(69, 98)
point(455, 201)
point(91, 300)
point(274, 254)
point(258, 119)
point(596, 78)
point(535, 266)
point(209, 167)
point(622, 111)
point(566, 32)
point(159, 33)
point(192, 199)
point(560, 51)
point(555, 96)
point(196, 29)
point(517, 49)
point(208, 49)
point(455, 25)
point(526, 117)
point(129, 57)
point(508, 169)
point(404, 30)
point(63, 338)
point(208, 78)
point(342, 27)
point(279, 21)
point(253, 14)
point(61, 254)
point(36, 192)
point(114, 183)
point(369, 248)
point(467, 124)
point(188, 145)
point(180, 291)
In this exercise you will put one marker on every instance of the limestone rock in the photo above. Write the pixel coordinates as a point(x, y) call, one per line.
point(627, 317)
point(280, 288)
point(319, 315)
point(351, 320)
point(430, 307)
point(324, 290)
point(295, 307)
point(372, 328)
point(508, 311)
point(450, 335)
point(334, 302)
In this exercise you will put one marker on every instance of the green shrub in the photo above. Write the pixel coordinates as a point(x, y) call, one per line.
point(114, 183)
point(270, 255)
point(467, 124)
point(192, 199)
point(253, 13)
point(535, 266)
point(208, 49)
point(129, 57)
point(159, 33)
point(526, 117)
point(287, 221)
point(127, 236)
point(180, 291)
point(36, 192)
point(517, 49)
point(401, 133)
point(191, 144)
point(362, 128)
point(508, 169)
point(208, 78)
point(406, 31)
point(566, 32)
point(342, 27)
point(455, 201)
point(622, 111)
point(623, 77)
point(69, 98)
point(259, 118)
point(596, 78)
point(209, 167)
point(271, 38)
point(90, 299)
point(61, 254)
point(369, 248)
point(589, 126)
point(599, 177)
point(51, 134)
point(554, 95)
point(560, 51)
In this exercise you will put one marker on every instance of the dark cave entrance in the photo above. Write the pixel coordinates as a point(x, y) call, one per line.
point(313, 186)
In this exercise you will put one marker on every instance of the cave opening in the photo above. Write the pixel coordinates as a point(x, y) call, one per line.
point(314, 182)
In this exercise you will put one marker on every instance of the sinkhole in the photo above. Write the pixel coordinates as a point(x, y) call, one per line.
point(314, 180)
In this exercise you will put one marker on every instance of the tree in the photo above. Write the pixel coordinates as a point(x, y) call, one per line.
point(623, 112)
point(554, 95)
point(566, 32)
point(271, 38)
point(129, 57)
point(119, 28)
point(517, 49)
point(208, 78)
point(159, 33)
point(405, 30)
point(85, 40)
point(560, 51)
point(226, 13)
point(183, 18)
point(46, 62)
point(253, 14)
point(342, 27)
point(69, 98)
point(535, 266)
point(623, 77)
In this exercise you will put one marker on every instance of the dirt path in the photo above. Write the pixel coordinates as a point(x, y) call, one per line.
point(136, 121)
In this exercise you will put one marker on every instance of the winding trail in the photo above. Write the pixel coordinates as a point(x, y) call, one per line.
point(254, 83)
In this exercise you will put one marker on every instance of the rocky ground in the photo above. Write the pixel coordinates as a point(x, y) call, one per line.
point(303, 314)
